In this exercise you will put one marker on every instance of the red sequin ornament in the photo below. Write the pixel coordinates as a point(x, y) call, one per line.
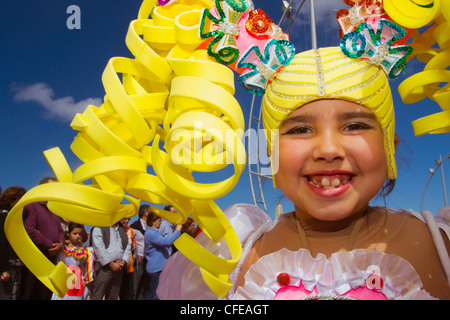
point(258, 22)
point(283, 279)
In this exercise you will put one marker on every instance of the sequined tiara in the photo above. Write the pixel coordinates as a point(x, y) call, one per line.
point(250, 42)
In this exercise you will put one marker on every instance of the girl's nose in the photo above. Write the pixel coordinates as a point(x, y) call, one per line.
point(329, 147)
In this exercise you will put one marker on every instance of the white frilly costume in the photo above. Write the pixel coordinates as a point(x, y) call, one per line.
point(366, 274)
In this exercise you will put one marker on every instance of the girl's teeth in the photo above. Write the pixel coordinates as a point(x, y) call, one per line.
point(328, 182)
point(335, 182)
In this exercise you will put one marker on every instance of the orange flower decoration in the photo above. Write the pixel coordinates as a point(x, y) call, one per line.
point(258, 22)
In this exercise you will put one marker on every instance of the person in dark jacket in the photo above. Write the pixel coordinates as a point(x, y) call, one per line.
point(44, 229)
point(10, 264)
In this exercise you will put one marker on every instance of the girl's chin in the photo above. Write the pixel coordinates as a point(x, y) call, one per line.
point(325, 216)
point(327, 211)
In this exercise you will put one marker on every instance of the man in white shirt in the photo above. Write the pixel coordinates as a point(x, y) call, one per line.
point(112, 252)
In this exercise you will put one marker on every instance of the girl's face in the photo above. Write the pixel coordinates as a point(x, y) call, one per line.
point(75, 236)
point(331, 159)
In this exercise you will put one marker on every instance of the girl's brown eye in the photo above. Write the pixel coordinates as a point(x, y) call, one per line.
point(298, 130)
point(357, 126)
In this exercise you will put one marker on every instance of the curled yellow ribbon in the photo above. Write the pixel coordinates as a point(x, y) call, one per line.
point(432, 47)
point(412, 14)
point(127, 146)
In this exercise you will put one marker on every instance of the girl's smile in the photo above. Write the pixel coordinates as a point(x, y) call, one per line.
point(329, 183)
point(331, 159)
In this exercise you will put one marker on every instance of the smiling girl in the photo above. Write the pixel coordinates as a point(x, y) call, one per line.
point(329, 118)
point(331, 126)
point(335, 153)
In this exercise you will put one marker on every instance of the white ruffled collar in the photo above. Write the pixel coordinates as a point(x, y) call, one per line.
point(344, 274)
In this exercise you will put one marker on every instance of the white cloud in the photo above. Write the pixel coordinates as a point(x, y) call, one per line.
point(63, 109)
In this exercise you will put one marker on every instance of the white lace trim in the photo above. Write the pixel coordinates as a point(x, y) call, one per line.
point(181, 279)
point(343, 272)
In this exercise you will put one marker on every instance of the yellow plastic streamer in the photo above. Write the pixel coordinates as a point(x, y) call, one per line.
point(432, 47)
point(143, 145)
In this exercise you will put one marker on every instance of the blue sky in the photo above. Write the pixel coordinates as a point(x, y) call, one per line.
point(49, 72)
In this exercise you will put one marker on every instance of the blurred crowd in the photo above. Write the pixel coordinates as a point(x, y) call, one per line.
point(122, 261)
